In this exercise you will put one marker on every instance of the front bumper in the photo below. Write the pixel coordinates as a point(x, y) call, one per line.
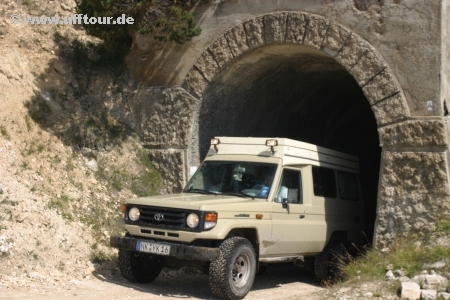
point(176, 250)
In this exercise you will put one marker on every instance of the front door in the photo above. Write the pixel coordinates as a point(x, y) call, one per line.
point(290, 234)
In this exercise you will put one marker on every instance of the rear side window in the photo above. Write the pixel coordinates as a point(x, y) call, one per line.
point(348, 186)
point(324, 182)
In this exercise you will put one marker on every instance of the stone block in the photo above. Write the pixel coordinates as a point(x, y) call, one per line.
point(437, 265)
point(428, 294)
point(254, 30)
point(381, 86)
point(335, 39)
point(207, 65)
point(410, 291)
point(316, 31)
point(431, 282)
point(367, 67)
point(389, 275)
point(435, 282)
point(195, 83)
point(414, 133)
point(275, 28)
point(403, 278)
point(221, 52)
point(390, 110)
point(443, 296)
point(237, 40)
point(296, 27)
point(443, 283)
point(353, 50)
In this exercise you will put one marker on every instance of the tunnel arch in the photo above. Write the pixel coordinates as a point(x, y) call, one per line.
point(290, 42)
point(355, 54)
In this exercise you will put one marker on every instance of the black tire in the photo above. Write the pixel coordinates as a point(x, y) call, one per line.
point(138, 267)
point(231, 276)
point(329, 264)
point(205, 269)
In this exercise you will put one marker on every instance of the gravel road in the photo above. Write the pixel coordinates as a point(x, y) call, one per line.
point(278, 282)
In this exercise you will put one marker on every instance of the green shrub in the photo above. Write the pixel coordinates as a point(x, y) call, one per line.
point(166, 20)
point(98, 257)
point(4, 132)
point(443, 227)
point(39, 110)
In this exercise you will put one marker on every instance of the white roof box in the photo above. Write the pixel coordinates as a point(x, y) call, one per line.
point(292, 152)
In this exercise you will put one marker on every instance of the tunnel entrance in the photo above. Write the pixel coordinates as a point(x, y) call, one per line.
point(295, 92)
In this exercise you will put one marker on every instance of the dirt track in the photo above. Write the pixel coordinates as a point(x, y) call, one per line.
point(278, 282)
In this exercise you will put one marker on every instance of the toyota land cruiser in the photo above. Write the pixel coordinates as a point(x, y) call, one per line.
point(252, 202)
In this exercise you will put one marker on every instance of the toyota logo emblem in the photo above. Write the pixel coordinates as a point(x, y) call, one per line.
point(159, 217)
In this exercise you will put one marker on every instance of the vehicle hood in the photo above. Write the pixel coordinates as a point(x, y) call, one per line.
point(196, 201)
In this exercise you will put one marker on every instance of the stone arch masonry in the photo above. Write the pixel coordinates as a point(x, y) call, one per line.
point(413, 186)
point(351, 51)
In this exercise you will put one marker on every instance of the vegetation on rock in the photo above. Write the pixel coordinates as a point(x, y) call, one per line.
point(167, 20)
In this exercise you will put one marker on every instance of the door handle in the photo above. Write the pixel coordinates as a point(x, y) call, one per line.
point(302, 216)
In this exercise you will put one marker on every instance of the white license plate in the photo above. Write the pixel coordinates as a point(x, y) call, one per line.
point(153, 248)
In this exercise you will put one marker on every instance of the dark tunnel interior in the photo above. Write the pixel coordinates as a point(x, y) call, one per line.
point(295, 92)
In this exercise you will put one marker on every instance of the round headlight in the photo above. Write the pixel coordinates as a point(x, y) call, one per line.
point(134, 214)
point(192, 220)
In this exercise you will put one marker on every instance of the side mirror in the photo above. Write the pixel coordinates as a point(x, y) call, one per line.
point(284, 203)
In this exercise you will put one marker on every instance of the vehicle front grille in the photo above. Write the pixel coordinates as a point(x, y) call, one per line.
point(162, 217)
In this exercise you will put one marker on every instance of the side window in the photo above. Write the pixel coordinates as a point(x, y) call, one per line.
point(348, 186)
point(324, 182)
point(290, 187)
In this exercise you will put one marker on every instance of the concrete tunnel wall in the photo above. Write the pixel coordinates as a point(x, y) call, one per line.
point(284, 68)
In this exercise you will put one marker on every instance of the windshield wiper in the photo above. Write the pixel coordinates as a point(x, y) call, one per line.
point(240, 194)
point(201, 191)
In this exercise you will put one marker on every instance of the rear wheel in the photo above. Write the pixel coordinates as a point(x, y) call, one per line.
point(138, 267)
point(330, 263)
point(231, 276)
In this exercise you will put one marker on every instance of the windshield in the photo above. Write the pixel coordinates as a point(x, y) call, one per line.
point(233, 178)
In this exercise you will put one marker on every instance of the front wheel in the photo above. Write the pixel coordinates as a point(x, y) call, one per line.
point(231, 276)
point(138, 267)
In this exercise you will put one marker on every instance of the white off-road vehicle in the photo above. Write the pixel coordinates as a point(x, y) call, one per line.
point(252, 202)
